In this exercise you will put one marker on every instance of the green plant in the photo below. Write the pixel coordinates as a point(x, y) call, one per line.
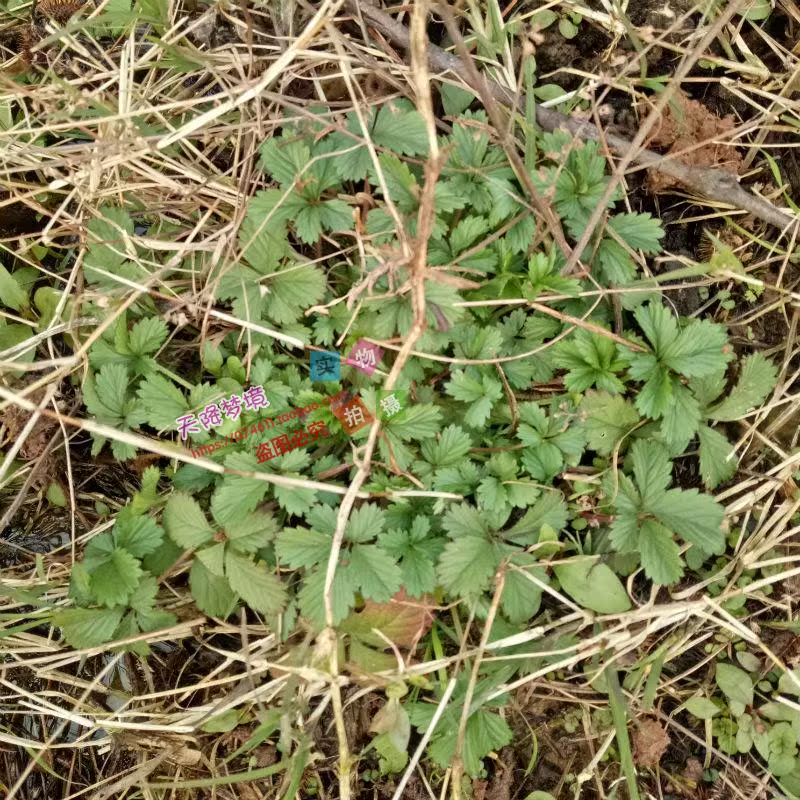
point(113, 586)
point(740, 722)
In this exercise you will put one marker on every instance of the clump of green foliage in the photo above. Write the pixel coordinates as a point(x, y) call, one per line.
point(627, 404)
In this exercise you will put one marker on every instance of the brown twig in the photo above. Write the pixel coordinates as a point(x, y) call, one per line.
point(715, 184)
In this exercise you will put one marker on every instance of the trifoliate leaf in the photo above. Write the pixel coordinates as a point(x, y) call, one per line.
point(88, 627)
point(482, 393)
point(185, 522)
point(420, 421)
point(260, 588)
point(661, 557)
point(718, 461)
point(592, 360)
point(417, 551)
point(607, 419)
point(756, 380)
point(113, 581)
point(212, 593)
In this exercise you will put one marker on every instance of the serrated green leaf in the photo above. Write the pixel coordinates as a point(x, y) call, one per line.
point(655, 397)
point(113, 581)
point(377, 574)
point(138, 535)
point(237, 496)
point(661, 557)
point(147, 336)
point(88, 627)
point(185, 522)
point(607, 419)
point(251, 533)
point(420, 421)
point(698, 350)
point(651, 468)
point(311, 596)
point(639, 231)
point(417, 551)
point(464, 520)
point(680, 419)
point(300, 547)
point(718, 461)
point(261, 589)
point(658, 324)
point(212, 593)
point(450, 447)
point(162, 402)
point(294, 499)
point(365, 523)
point(756, 380)
point(694, 516)
point(400, 129)
point(549, 510)
point(466, 565)
point(292, 291)
point(143, 598)
point(213, 558)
